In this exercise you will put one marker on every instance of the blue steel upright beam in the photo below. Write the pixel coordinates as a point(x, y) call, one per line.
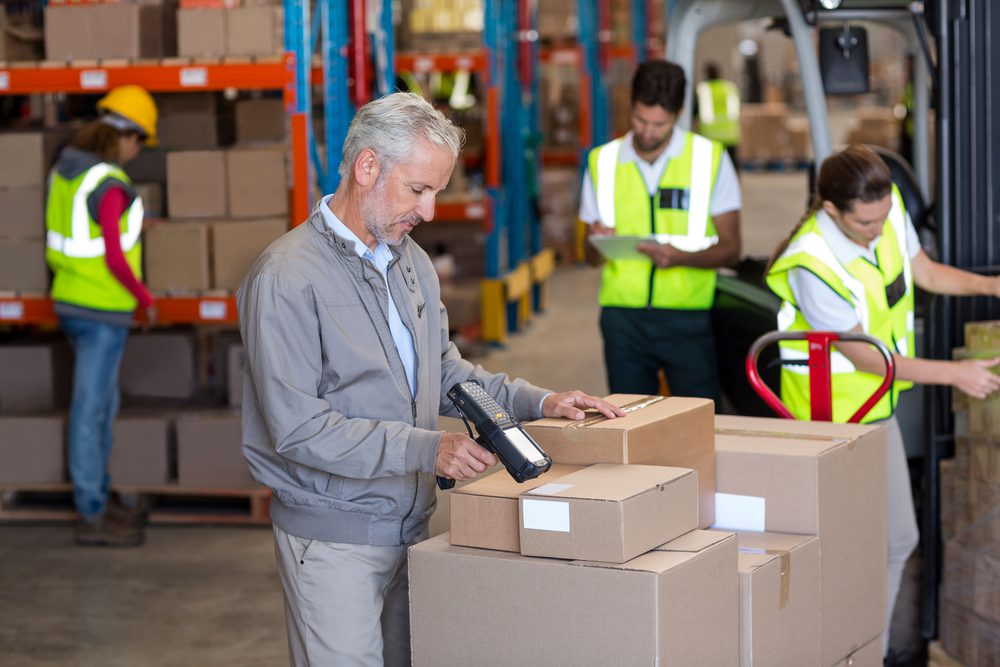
point(588, 38)
point(513, 124)
point(384, 50)
point(298, 42)
point(496, 239)
point(337, 107)
point(640, 24)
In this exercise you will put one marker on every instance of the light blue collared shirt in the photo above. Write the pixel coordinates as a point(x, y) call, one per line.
point(380, 257)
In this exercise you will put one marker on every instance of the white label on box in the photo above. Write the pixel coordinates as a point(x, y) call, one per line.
point(545, 515)
point(422, 65)
point(734, 512)
point(475, 211)
point(94, 78)
point(551, 489)
point(212, 310)
point(12, 310)
point(194, 77)
point(4, 80)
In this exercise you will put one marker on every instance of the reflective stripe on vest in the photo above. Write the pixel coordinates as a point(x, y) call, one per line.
point(699, 199)
point(719, 110)
point(80, 244)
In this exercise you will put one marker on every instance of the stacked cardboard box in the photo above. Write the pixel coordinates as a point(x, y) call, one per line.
point(970, 517)
point(586, 552)
point(19, 38)
point(877, 126)
point(809, 479)
point(126, 29)
point(209, 445)
point(764, 134)
point(212, 32)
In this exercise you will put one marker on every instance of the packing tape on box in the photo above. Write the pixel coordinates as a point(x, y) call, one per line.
point(785, 571)
point(637, 404)
point(751, 433)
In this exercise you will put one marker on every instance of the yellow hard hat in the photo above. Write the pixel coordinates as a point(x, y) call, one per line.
point(135, 104)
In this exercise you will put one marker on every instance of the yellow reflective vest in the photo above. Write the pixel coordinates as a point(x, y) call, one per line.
point(75, 246)
point(719, 111)
point(678, 214)
point(882, 298)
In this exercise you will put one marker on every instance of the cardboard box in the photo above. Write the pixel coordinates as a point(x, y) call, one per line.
point(484, 513)
point(257, 183)
point(25, 157)
point(209, 451)
point(22, 213)
point(140, 450)
point(235, 246)
point(27, 379)
point(254, 31)
point(608, 512)
point(235, 369)
point(176, 255)
point(32, 450)
point(152, 199)
point(158, 365)
point(677, 605)
point(665, 432)
point(188, 122)
point(196, 184)
point(19, 39)
point(108, 30)
point(779, 599)
point(22, 266)
point(260, 120)
point(869, 655)
point(201, 33)
point(823, 479)
point(149, 166)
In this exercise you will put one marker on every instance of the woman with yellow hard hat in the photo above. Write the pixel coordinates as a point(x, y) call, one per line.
point(94, 219)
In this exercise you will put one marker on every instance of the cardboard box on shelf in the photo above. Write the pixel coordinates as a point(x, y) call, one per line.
point(209, 451)
point(463, 301)
point(235, 246)
point(658, 431)
point(19, 39)
point(22, 212)
point(22, 266)
point(196, 184)
point(779, 599)
point(109, 30)
point(260, 120)
point(32, 450)
point(158, 365)
point(187, 122)
point(176, 257)
point(676, 605)
point(201, 33)
point(149, 166)
point(763, 132)
point(140, 455)
point(814, 478)
point(608, 512)
point(152, 199)
point(254, 31)
point(484, 513)
point(257, 183)
point(25, 157)
point(29, 374)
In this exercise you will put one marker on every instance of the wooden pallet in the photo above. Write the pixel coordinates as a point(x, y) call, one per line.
point(167, 503)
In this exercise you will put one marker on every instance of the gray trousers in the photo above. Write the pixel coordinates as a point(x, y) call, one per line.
point(345, 604)
point(903, 534)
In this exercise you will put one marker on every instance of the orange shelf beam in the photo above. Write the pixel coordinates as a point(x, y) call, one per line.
point(470, 210)
point(170, 310)
point(560, 157)
point(476, 61)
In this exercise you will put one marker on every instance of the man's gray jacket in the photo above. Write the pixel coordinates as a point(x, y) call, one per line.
point(328, 420)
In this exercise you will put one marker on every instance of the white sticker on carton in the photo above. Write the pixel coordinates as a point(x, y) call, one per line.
point(212, 310)
point(735, 512)
point(94, 79)
point(545, 515)
point(4, 80)
point(12, 310)
point(551, 489)
point(194, 77)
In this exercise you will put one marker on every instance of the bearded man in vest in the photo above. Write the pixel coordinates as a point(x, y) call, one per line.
point(681, 190)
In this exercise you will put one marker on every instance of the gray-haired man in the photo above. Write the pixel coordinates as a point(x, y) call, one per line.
point(349, 360)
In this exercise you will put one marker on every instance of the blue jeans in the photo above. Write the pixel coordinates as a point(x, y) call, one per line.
point(98, 347)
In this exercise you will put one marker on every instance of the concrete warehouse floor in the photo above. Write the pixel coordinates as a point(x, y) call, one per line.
point(210, 595)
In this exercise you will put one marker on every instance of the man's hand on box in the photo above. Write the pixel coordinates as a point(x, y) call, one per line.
point(571, 404)
point(461, 458)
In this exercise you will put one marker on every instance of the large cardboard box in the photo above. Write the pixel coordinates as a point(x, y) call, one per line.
point(158, 365)
point(152, 199)
point(22, 265)
point(22, 213)
point(209, 451)
point(257, 183)
point(25, 157)
point(658, 431)
point(149, 166)
point(109, 30)
point(177, 257)
point(140, 454)
point(869, 655)
point(676, 605)
point(32, 450)
point(201, 33)
point(27, 379)
point(823, 479)
point(779, 599)
point(260, 120)
point(196, 184)
point(19, 39)
point(254, 31)
point(235, 246)
point(484, 513)
point(187, 122)
point(608, 512)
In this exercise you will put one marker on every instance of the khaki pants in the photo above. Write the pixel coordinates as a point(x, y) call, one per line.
point(345, 604)
point(901, 518)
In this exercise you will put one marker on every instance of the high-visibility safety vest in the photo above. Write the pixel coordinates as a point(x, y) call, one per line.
point(719, 111)
point(75, 246)
point(882, 298)
point(678, 214)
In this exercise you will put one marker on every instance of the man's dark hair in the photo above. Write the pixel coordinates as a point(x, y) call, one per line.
point(712, 71)
point(658, 82)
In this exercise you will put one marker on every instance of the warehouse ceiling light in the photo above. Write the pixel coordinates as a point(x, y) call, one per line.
point(829, 4)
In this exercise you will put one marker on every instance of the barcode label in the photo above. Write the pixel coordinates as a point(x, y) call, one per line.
point(212, 310)
point(94, 78)
point(194, 77)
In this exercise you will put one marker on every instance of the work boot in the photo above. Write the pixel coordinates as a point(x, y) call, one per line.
point(105, 531)
point(132, 515)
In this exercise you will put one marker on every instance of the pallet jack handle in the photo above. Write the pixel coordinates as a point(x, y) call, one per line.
point(820, 392)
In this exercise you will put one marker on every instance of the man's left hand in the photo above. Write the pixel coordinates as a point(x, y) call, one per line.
point(663, 255)
point(568, 405)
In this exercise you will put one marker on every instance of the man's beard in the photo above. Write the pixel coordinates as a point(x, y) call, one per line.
point(378, 219)
point(650, 147)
